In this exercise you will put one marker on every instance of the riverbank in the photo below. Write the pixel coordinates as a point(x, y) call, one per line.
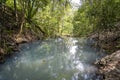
point(109, 66)
point(11, 34)
point(10, 42)
point(109, 41)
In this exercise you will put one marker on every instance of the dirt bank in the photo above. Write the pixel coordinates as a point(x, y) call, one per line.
point(10, 42)
point(109, 41)
point(109, 66)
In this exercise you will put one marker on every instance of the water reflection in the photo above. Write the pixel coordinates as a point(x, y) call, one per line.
point(53, 59)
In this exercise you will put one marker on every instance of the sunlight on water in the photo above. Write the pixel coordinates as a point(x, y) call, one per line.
point(53, 59)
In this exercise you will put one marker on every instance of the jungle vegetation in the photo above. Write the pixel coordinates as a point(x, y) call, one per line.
point(51, 18)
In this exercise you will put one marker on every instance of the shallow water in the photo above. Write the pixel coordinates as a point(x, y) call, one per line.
point(53, 59)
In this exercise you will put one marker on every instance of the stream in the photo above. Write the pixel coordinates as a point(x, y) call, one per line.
point(53, 59)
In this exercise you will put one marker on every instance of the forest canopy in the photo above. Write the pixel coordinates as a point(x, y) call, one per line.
point(58, 17)
point(47, 16)
point(96, 16)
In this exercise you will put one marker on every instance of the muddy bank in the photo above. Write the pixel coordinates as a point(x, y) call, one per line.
point(109, 66)
point(109, 41)
point(10, 42)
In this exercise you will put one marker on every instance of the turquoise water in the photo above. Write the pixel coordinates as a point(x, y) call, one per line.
point(53, 59)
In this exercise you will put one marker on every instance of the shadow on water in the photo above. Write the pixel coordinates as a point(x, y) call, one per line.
point(53, 59)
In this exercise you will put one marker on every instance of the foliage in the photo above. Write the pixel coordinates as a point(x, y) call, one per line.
point(46, 16)
point(55, 17)
point(96, 15)
point(50, 19)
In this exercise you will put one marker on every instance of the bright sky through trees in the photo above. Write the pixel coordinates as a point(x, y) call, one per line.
point(75, 4)
point(76, 1)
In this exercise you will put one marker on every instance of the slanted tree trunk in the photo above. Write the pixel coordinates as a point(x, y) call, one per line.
point(21, 22)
